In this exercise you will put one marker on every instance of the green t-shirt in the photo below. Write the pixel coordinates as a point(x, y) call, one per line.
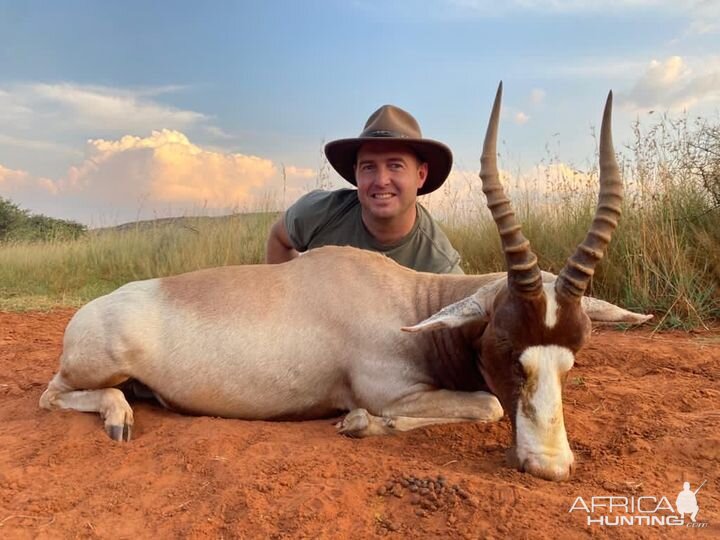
point(323, 218)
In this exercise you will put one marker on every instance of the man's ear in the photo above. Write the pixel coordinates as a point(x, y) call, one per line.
point(422, 174)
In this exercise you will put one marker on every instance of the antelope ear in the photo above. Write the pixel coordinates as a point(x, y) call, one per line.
point(605, 312)
point(455, 315)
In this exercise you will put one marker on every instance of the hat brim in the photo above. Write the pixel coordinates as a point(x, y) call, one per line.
point(342, 155)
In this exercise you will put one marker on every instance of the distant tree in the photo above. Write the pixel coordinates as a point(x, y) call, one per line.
point(11, 216)
point(17, 224)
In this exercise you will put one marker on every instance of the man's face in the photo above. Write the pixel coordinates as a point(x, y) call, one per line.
point(388, 176)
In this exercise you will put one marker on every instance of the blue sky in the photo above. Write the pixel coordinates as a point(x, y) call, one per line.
point(112, 111)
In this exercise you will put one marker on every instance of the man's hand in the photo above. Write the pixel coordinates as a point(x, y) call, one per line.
point(279, 248)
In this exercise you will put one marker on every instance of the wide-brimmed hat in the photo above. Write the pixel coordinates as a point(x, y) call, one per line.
point(390, 123)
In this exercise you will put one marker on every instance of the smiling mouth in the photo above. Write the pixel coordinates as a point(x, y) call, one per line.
point(382, 195)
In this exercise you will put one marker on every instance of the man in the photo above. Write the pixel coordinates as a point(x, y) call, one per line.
point(391, 164)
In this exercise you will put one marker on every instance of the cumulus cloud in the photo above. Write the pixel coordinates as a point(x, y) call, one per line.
point(166, 168)
point(161, 174)
point(674, 84)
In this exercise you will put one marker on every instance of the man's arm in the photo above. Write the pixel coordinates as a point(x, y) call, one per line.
point(279, 247)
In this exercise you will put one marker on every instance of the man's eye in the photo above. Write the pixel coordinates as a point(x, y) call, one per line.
point(366, 167)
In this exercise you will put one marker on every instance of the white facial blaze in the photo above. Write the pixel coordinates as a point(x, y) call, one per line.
point(551, 310)
point(540, 430)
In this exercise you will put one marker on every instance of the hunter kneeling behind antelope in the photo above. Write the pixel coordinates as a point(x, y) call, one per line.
point(337, 330)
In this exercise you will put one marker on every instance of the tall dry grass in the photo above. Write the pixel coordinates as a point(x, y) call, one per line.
point(70, 273)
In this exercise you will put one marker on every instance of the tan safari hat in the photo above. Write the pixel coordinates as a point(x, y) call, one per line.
point(393, 124)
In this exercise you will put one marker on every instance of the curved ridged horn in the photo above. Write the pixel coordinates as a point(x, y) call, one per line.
point(574, 278)
point(524, 275)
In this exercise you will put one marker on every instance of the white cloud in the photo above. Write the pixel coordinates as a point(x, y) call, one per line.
point(659, 80)
point(52, 118)
point(109, 108)
point(166, 168)
point(674, 84)
point(68, 112)
point(16, 184)
point(162, 174)
point(12, 108)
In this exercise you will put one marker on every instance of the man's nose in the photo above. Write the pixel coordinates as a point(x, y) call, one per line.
point(384, 175)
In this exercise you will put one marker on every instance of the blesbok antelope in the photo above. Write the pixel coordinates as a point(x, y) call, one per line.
point(335, 331)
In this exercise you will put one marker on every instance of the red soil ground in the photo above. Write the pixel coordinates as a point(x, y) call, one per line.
point(642, 414)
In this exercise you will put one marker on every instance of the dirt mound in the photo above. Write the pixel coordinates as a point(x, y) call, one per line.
point(642, 413)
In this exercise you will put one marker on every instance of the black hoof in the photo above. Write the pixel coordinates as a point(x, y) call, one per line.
point(119, 433)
